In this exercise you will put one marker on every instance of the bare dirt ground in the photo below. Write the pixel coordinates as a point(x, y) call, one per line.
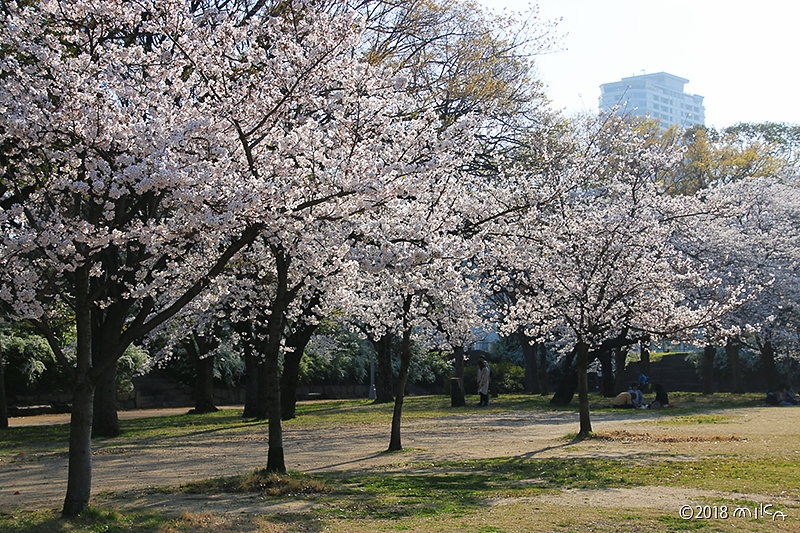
point(40, 482)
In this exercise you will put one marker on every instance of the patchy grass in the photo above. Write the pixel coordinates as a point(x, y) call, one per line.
point(19, 443)
point(513, 517)
point(30, 440)
point(454, 489)
point(627, 436)
point(143, 430)
point(93, 520)
point(261, 482)
point(485, 496)
point(691, 420)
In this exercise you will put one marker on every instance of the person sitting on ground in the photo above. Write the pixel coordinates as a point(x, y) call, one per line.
point(637, 398)
point(788, 396)
point(623, 401)
point(773, 398)
point(662, 400)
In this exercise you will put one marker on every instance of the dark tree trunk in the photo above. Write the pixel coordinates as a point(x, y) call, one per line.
point(251, 365)
point(289, 379)
point(542, 368)
point(709, 353)
point(767, 352)
point(583, 390)
point(384, 379)
point(297, 341)
point(272, 384)
point(607, 384)
point(105, 420)
point(106, 325)
point(198, 347)
point(568, 384)
point(275, 458)
point(262, 400)
point(644, 352)
point(620, 357)
point(3, 404)
point(457, 398)
point(79, 474)
point(732, 348)
point(531, 372)
point(619, 353)
point(395, 443)
point(458, 363)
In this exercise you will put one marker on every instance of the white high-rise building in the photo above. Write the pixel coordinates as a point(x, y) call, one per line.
point(659, 96)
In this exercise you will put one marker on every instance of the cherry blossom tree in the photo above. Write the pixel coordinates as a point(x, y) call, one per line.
point(145, 145)
point(750, 244)
point(199, 333)
point(276, 288)
point(412, 296)
point(599, 260)
point(412, 255)
point(731, 175)
point(113, 183)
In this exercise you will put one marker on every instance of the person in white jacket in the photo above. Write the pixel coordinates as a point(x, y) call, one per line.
point(483, 382)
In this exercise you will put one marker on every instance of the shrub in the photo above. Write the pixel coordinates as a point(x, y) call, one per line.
point(505, 377)
point(29, 363)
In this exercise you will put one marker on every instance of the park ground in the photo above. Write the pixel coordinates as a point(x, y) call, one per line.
point(719, 463)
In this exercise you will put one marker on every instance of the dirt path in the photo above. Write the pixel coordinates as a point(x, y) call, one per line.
point(40, 482)
point(45, 420)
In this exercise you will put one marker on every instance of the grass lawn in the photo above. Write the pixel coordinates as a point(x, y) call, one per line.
point(510, 494)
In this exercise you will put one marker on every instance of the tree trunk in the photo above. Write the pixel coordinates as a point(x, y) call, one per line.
point(732, 348)
point(204, 386)
point(542, 367)
point(583, 390)
point(276, 326)
point(79, 474)
point(709, 353)
point(531, 372)
point(251, 372)
point(275, 459)
point(106, 325)
point(200, 348)
point(105, 422)
point(644, 352)
point(289, 379)
point(3, 404)
point(568, 384)
point(767, 352)
point(297, 341)
point(405, 361)
point(457, 398)
point(458, 364)
point(384, 379)
point(608, 383)
point(262, 400)
point(620, 357)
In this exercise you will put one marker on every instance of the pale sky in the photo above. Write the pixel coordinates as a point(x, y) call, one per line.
point(743, 57)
